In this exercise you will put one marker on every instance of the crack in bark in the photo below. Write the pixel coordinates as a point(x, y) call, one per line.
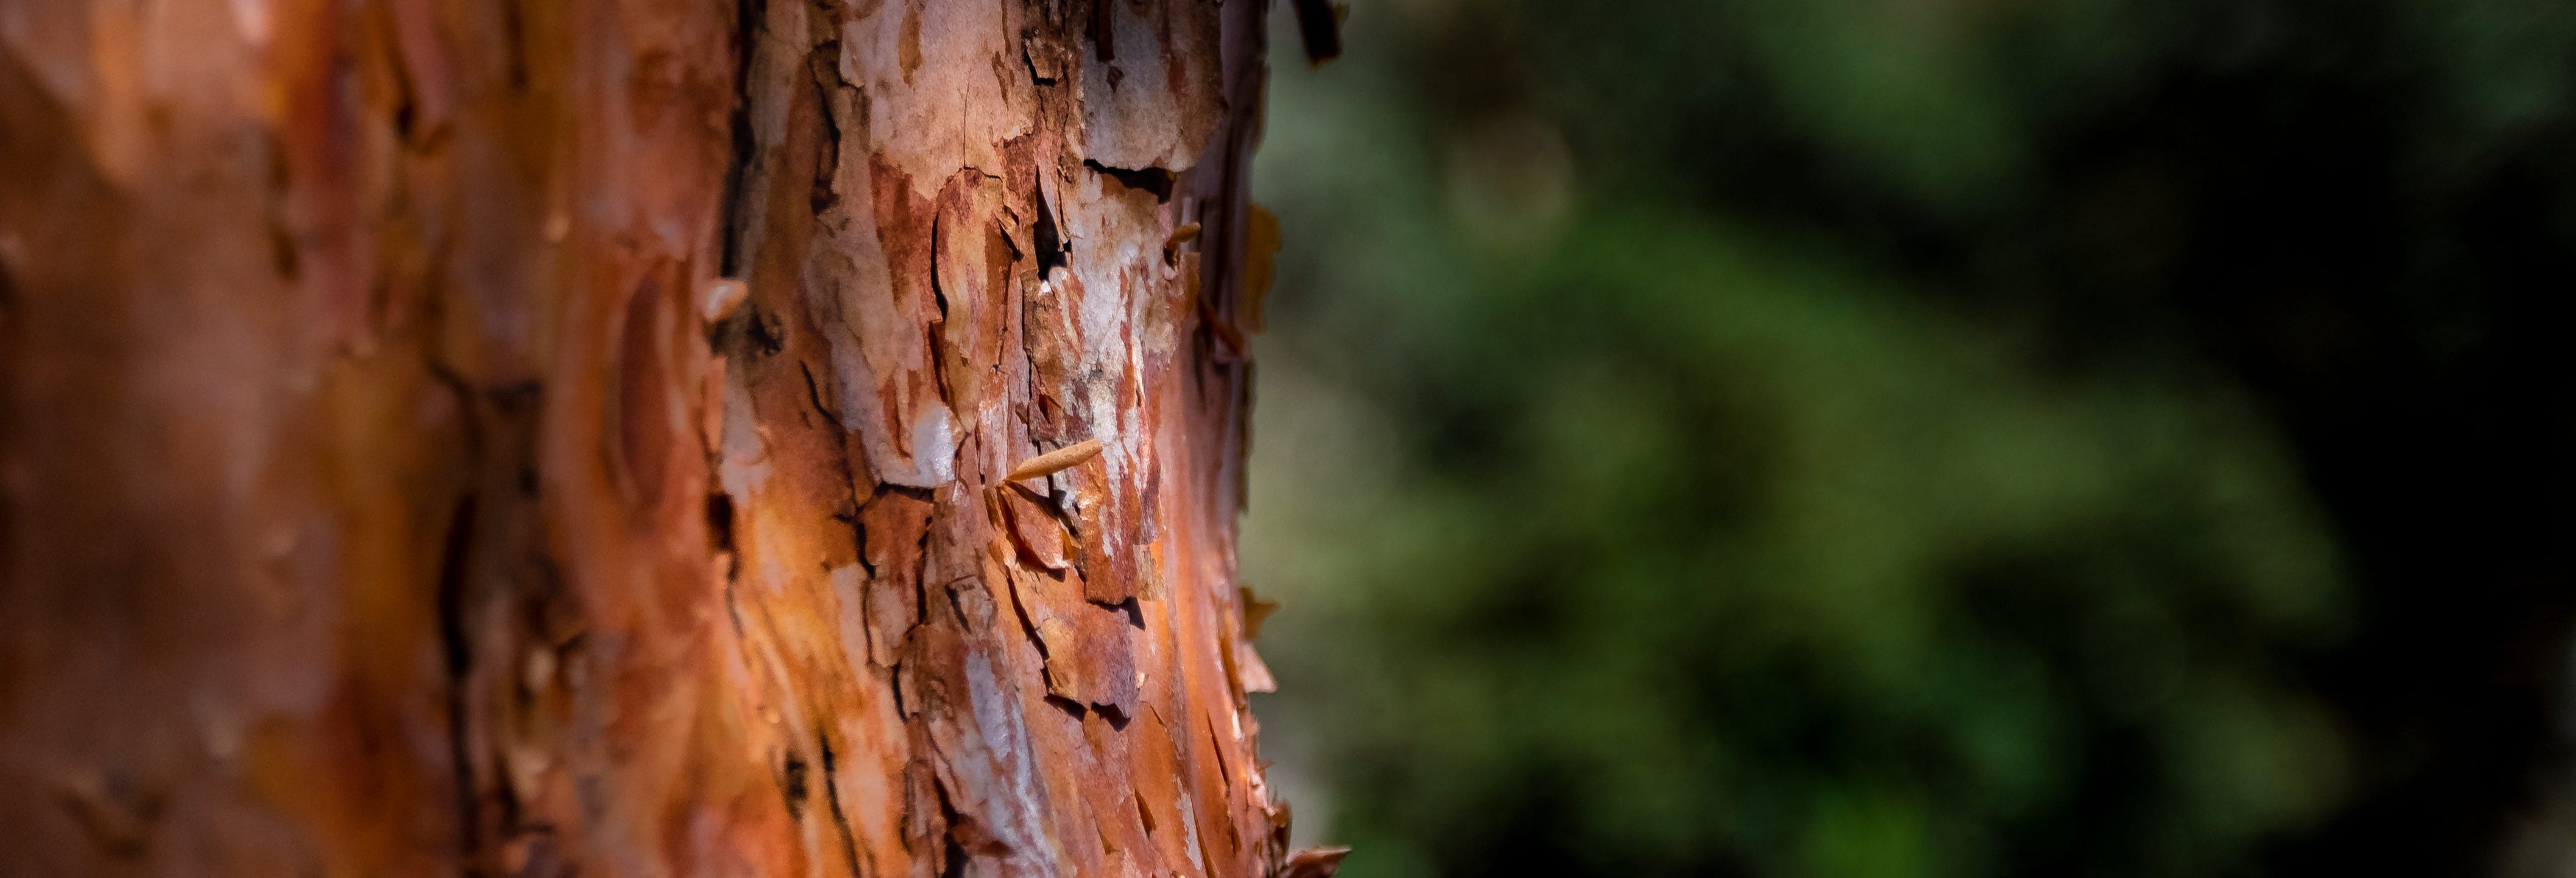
point(952, 851)
point(458, 651)
point(455, 645)
point(814, 397)
point(748, 15)
point(824, 59)
point(832, 797)
point(1158, 181)
point(792, 785)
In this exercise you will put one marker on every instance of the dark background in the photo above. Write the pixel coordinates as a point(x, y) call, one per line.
point(1923, 437)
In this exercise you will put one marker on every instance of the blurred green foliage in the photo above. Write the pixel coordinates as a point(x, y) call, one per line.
point(1698, 558)
point(1634, 522)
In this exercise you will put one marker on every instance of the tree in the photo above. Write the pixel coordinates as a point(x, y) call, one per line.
point(528, 438)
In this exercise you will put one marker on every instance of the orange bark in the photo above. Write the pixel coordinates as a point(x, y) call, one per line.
point(389, 485)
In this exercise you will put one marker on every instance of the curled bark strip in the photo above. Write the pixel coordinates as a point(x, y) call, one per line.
point(1055, 461)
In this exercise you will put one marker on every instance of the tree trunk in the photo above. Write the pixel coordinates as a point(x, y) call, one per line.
point(391, 482)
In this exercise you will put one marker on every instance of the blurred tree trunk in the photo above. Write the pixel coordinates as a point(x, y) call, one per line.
point(392, 484)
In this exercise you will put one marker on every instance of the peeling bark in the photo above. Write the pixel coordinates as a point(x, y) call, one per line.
point(395, 479)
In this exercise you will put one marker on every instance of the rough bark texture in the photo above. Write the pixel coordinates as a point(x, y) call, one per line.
point(386, 490)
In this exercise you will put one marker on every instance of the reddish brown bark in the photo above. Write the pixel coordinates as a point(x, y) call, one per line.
point(386, 486)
